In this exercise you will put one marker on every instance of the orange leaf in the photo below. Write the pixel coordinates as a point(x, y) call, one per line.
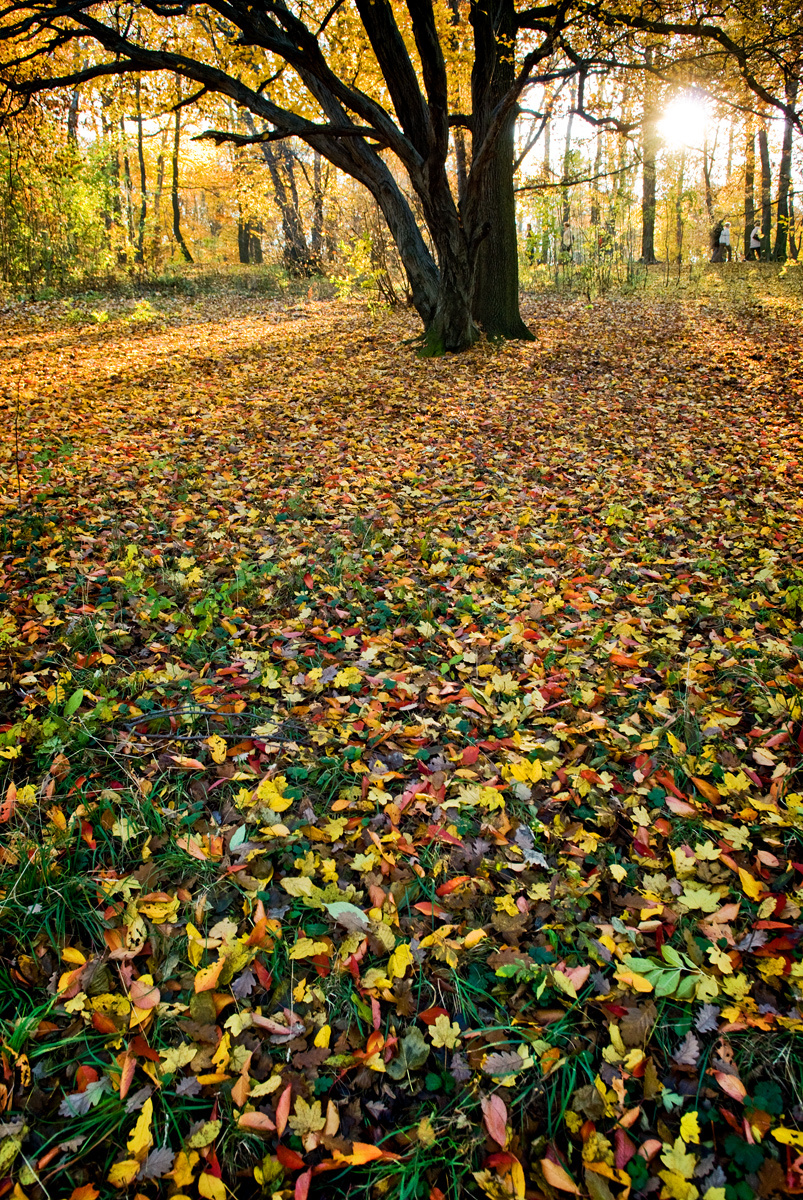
point(731, 1085)
point(257, 1121)
point(206, 979)
point(447, 888)
point(556, 1177)
point(87, 1191)
point(365, 1152)
point(191, 847)
point(619, 660)
point(9, 804)
point(187, 764)
point(283, 1109)
point(707, 790)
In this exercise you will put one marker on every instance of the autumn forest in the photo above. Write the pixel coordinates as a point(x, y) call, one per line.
point(401, 600)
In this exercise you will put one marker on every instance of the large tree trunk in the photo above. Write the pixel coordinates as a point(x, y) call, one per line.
point(649, 130)
point(749, 188)
point(766, 194)
point(784, 176)
point(177, 234)
point(493, 201)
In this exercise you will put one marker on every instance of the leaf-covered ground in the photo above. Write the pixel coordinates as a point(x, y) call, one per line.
point(401, 759)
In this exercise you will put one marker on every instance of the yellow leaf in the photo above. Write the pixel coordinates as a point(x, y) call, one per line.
point(305, 948)
point(630, 979)
point(751, 886)
point(210, 1187)
point(690, 1127)
point(322, 1037)
point(677, 1160)
point(71, 955)
point(677, 1187)
point(217, 748)
point(123, 1173)
point(788, 1137)
point(399, 961)
point(140, 1139)
point(445, 1032)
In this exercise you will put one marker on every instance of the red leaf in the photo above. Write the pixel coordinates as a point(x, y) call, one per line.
point(302, 1186)
point(430, 1015)
point(289, 1159)
point(470, 755)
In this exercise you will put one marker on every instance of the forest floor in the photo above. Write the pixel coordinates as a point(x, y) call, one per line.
point(400, 760)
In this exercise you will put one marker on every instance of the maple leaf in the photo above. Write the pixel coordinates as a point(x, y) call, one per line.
point(445, 1033)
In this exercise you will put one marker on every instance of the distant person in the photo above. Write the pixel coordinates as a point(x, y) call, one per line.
point(529, 245)
point(716, 248)
point(755, 243)
point(725, 252)
point(567, 239)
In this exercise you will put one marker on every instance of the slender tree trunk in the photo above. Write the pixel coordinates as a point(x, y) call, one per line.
point(157, 195)
point(316, 231)
point(177, 234)
point(679, 206)
point(708, 162)
point(649, 152)
point(567, 161)
point(784, 176)
point(794, 244)
point(72, 118)
point(729, 168)
point(596, 208)
point(749, 188)
point(128, 186)
point(490, 210)
point(139, 257)
point(766, 194)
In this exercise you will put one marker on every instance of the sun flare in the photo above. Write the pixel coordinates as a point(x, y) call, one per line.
point(685, 121)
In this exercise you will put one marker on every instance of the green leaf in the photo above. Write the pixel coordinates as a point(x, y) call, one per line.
point(74, 702)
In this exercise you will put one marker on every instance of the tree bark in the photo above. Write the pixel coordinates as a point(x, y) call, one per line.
point(177, 234)
point(766, 194)
point(784, 177)
point(139, 257)
point(649, 151)
point(749, 188)
point(495, 287)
